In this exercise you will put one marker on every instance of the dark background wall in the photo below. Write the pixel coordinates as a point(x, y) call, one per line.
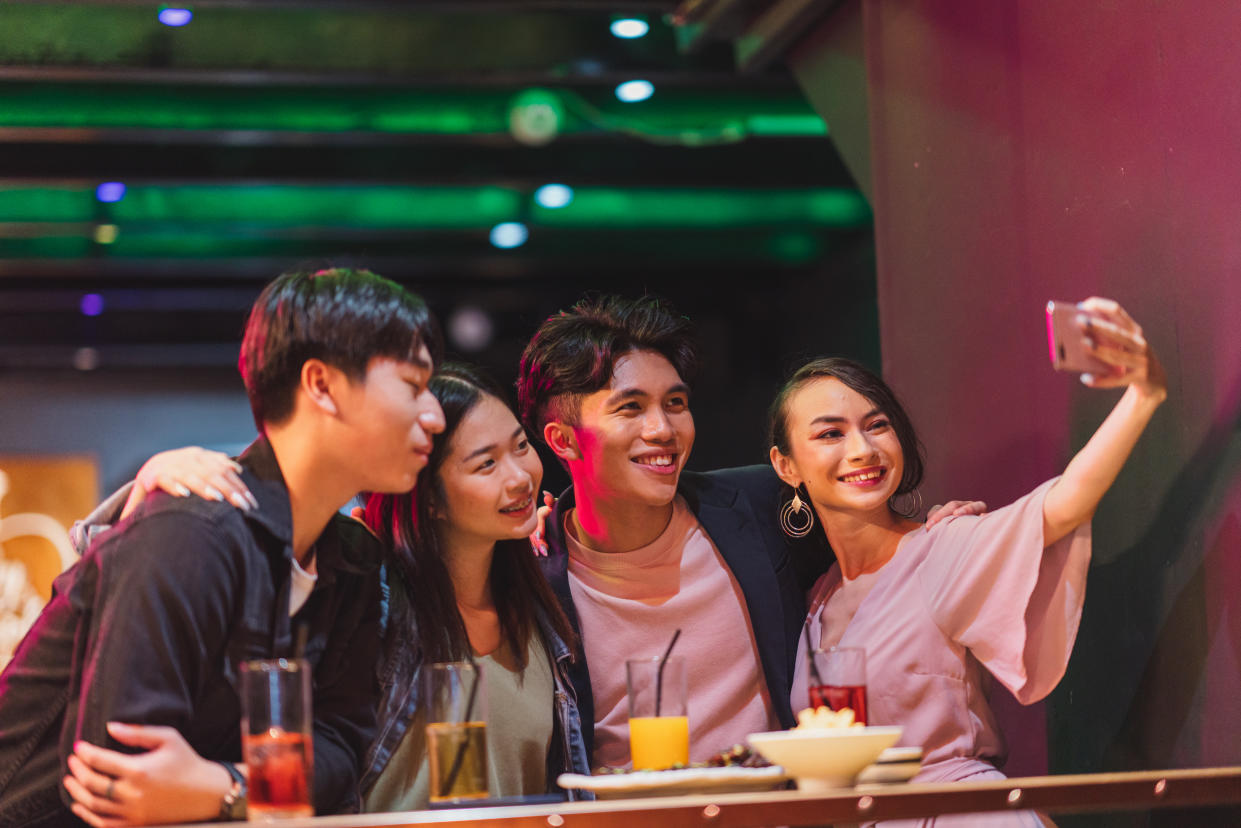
point(1056, 149)
point(752, 329)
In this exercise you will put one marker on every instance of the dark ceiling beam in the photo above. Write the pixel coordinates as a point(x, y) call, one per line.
point(772, 33)
point(603, 77)
point(758, 162)
point(700, 22)
point(592, 6)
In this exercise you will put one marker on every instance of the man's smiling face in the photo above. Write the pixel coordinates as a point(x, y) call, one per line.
point(635, 434)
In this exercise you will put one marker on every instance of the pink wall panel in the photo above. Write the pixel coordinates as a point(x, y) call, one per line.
point(1032, 150)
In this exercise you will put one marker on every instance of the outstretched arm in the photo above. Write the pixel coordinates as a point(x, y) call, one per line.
point(1117, 340)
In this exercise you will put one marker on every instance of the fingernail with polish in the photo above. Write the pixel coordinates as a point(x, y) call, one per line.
point(1086, 379)
point(254, 501)
point(181, 490)
point(240, 501)
point(214, 494)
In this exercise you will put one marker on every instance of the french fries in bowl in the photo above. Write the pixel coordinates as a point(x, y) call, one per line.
point(826, 750)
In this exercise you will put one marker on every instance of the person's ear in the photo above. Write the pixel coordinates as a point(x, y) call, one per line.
point(320, 383)
point(561, 441)
point(786, 468)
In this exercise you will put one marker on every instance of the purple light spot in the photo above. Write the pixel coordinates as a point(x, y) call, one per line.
point(175, 17)
point(110, 191)
point(92, 304)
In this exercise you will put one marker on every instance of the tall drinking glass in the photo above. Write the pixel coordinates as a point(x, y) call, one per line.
point(843, 671)
point(276, 738)
point(658, 714)
point(456, 705)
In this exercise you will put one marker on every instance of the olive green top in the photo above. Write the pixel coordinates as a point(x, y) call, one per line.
point(520, 709)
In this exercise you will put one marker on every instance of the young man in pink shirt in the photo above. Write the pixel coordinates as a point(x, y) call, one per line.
point(639, 547)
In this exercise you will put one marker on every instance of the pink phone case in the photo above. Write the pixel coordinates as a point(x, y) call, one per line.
point(1065, 342)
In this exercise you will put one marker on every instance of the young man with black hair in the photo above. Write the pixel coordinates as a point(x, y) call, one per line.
point(639, 548)
point(151, 626)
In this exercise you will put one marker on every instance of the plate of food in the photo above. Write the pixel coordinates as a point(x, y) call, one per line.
point(732, 771)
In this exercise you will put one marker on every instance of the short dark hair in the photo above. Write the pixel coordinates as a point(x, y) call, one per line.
point(405, 523)
point(574, 352)
point(869, 385)
point(342, 316)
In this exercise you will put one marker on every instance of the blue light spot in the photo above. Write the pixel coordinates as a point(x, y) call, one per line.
point(175, 17)
point(509, 234)
point(110, 191)
point(553, 196)
point(630, 27)
point(92, 304)
point(635, 90)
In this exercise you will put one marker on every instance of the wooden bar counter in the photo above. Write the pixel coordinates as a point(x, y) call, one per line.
point(1139, 790)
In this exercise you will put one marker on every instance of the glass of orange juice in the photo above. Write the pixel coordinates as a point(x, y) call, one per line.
point(658, 716)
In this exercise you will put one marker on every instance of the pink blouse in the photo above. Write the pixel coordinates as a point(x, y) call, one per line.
point(972, 593)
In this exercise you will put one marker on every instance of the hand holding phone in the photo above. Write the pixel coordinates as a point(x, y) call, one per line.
point(1066, 341)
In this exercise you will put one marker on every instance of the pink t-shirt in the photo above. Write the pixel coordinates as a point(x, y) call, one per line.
point(972, 597)
point(630, 603)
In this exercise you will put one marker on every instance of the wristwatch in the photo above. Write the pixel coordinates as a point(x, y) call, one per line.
point(233, 803)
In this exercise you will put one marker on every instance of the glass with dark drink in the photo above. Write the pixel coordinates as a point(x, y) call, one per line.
point(842, 671)
point(276, 738)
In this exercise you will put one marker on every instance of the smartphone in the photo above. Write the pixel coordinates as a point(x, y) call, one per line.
point(1067, 343)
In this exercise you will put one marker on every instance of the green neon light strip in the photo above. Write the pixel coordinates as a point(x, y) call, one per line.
point(781, 247)
point(433, 208)
point(400, 111)
point(602, 207)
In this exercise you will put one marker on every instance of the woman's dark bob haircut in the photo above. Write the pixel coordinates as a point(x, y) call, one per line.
point(870, 386)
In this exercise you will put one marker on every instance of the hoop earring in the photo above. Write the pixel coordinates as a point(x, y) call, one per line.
point(908, 513)
point(791, 517)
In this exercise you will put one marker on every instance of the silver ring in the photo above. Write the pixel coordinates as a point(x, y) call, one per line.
point(107, 794)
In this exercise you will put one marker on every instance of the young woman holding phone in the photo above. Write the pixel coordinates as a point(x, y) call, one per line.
point(992, 595)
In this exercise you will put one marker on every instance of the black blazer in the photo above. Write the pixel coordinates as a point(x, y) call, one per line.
point(739, 510)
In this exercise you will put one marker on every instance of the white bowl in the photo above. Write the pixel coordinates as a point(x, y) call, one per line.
point(824, 758)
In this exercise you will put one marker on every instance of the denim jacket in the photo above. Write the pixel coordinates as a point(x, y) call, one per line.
point(400, 671)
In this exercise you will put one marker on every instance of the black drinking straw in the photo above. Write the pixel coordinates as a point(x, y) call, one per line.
point(659, 675)
point(814, 668)
point(459, 759)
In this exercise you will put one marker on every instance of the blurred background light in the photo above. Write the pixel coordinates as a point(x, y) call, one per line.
point(635, 90)
point(91, 304)
point(470, 329)
point(86, 359)
point(535, 117)
point(106, 233)
point(110, 192)
point(175, 16)
point(629, 28)
point(553, 196)
point(509, 234)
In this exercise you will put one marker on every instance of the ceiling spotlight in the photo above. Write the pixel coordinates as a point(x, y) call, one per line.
point(170, 16)
point(553, 196)
point(629, 28)
point(509, 234)
point(635, 90)
point(110, 191)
